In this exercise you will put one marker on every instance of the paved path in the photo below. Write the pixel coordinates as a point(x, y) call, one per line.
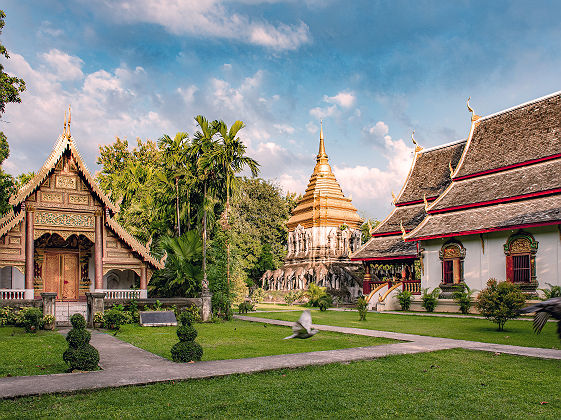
point(124, 364)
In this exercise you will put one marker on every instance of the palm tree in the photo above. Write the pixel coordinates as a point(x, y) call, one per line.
point(174, 156)
point(201, 148)
point(230, 157)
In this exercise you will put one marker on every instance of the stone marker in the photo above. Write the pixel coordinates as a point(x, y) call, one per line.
point(157, 318)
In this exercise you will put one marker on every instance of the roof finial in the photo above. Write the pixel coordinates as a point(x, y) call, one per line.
point(417, 147)
point(321, 129)
point(321, 143)
point(394, 198)
point(474, 117)
point(69, 119)
point(425, 201)
point(451, 169)
point(403, 232)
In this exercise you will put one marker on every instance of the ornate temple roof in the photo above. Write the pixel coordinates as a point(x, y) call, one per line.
point(428, 177)
point(323, 203)
point(506, 177)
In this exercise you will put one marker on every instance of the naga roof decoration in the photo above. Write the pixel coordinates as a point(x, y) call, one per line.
point(323, 203)
point(506, 177)
point(64, 142)
point(10, 220)
point(428, 176)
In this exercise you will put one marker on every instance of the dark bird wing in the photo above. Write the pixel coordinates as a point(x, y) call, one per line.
point(539, 321)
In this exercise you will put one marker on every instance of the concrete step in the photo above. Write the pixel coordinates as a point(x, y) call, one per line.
point(64, 310)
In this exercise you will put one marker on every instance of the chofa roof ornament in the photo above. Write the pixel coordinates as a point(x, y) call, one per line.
point(474, 116)
point(418, 148)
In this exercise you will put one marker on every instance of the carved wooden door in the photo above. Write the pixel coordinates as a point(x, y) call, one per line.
point(61, 275)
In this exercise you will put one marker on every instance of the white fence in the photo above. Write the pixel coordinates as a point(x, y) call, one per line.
point(15, 294)
point(121, 294)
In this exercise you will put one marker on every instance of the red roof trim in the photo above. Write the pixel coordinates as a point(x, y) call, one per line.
point(475, 232)
point(400, 257)
point(497, 201)
point(415, 201)
point(505, 168)
point(395, 232)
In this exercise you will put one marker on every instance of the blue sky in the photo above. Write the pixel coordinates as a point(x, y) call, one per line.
point(372, 70)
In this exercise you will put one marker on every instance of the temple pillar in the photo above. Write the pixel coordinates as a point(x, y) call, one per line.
point(29, 254)
point(143, 283)
point(98, 251)
point(367, 279)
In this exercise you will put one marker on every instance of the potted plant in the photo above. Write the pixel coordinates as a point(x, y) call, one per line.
point(48, 322)
point(98, 319)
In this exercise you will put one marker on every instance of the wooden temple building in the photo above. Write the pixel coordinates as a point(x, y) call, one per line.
point(61, 235)
point(323, 231)
point(486, 207)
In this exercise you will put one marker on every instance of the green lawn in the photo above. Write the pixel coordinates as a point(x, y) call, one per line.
point(517, 333)
point(30, 354)
point(278, 307)
point(241, 339)
point(440, 385)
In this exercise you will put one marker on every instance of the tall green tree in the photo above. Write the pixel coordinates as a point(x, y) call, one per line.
point(230, 157)
point(10, 89)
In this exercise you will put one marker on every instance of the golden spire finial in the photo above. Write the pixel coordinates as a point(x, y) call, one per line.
point(474, 117)
point(418, 148)
point(451, 169)
point(425, 201)
point(321, 142)
point(321, 129)
point(403, 233)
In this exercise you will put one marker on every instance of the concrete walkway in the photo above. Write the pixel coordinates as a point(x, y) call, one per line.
point(124, 364)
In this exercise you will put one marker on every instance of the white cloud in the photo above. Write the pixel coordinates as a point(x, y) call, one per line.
point(379, 129)
point(320, 113)
point(284, 128)
point(65, 66)
point(344, 99)
point(210, 18)
point(312, 127)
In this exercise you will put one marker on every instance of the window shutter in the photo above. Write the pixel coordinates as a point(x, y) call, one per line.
point(509, 269)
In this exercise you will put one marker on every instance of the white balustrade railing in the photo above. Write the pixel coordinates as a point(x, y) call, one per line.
point(121, 294)
point(9, 294)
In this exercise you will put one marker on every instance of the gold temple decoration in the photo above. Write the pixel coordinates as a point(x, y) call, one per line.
point(451, 169)
point(394, 198)
point(369, 223)
point(418, 148)
point(426, 202)
point(403, 232)
point(324, 203)
point(474, 116)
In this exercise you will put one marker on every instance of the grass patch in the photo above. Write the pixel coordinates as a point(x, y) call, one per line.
point(279, 307)
point(31, 354)
point(240, 339)
point(518, 333)
point(445, 384)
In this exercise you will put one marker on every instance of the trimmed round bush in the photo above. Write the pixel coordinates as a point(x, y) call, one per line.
point(186, 351)
point(78, 321)
point(85, 357)
point(186, 318)
point(186, 333)
point(78, 337)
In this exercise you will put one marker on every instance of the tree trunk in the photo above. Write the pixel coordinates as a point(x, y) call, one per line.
point(177, 206)
point(227, 230)
point(188, 211)
point(205, 281)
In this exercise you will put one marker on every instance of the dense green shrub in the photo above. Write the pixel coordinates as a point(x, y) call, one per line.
point(113, 319)
point(8, 316)
point(430, 300)
point(258, 295)
point(462, 296)
point(293, 296)
point(404, 298)
point(245, 307)
point(195, 311)
point(551, 292)
point(80, 355)
point(187, 349)
point(325, 302)
point(32, 319)
point(362, 307)
point(500, 301)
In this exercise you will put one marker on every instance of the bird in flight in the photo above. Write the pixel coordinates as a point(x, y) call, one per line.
point(544, 310)
point(303, 327)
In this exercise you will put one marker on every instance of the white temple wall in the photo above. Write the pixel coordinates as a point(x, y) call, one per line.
point(489, 261)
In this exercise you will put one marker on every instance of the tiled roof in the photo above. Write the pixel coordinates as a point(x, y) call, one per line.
point(533, 179)
point(9, 221)
point(410, 215)
point(430, 172)
point(386, 247)
point(513, 215)
point(528, 132)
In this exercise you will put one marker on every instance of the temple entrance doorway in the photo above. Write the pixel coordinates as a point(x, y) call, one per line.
point(62, 274)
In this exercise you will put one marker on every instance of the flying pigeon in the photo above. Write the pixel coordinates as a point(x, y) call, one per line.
point(543, 310)
point(303, 327)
